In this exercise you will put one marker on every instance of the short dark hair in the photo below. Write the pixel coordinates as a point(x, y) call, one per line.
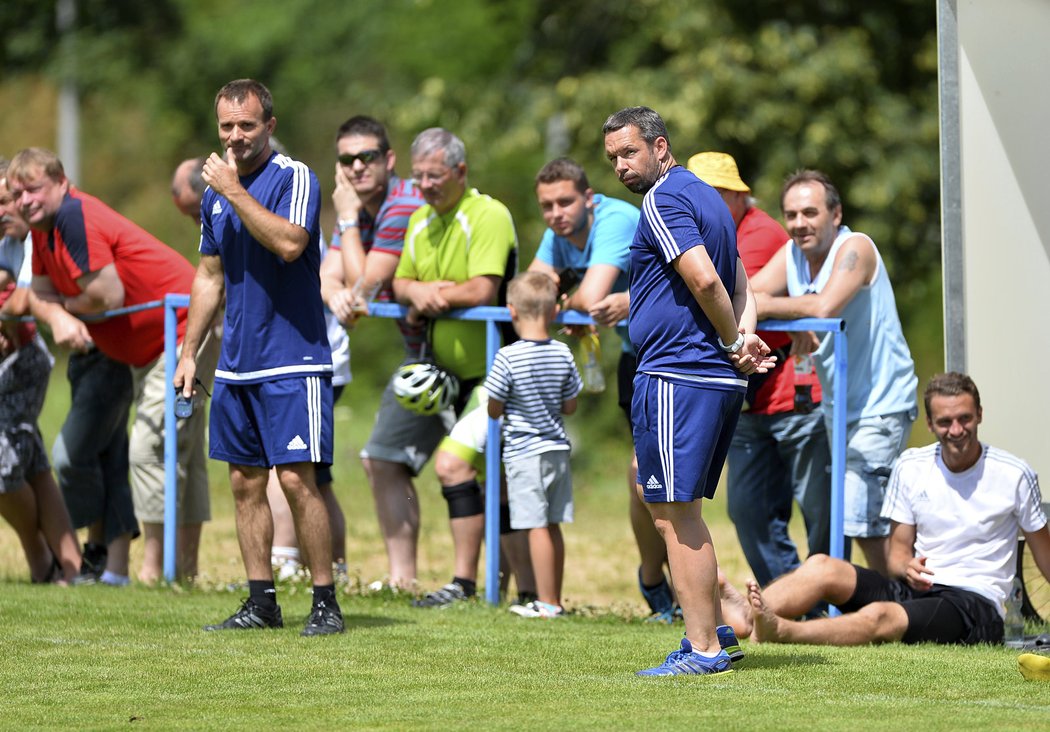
point(361, 124)
point(238, 91)
point(950, 384)
point(648, 122)
point(806, 175)
point(564, 169)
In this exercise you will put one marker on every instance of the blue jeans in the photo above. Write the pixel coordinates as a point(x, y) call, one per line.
point(90, 455)
point(775, 459)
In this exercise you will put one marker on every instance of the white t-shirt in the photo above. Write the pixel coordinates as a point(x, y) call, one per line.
point(337, 339)
point(966, 524)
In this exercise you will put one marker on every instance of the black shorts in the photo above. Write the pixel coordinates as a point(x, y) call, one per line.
point(941, 614)
point(625, 369)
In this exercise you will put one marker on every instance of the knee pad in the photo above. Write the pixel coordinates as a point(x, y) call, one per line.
point(464, 499)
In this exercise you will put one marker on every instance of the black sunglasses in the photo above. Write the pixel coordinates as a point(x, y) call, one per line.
point(365, 156)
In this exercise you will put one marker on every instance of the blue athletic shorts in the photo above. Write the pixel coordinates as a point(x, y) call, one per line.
point(681, 435)
point(272, 422)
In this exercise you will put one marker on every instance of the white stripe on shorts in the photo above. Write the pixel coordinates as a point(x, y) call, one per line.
point(665, 433)
point(313, 411)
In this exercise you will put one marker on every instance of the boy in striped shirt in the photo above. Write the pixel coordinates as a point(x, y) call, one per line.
point(532, 383)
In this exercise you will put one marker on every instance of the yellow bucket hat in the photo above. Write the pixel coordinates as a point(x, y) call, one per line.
point(717, 169)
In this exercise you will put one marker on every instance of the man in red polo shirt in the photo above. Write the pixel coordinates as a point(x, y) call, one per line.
point(88, 259)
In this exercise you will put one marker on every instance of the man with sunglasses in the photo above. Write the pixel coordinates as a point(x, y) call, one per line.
point(373, 205)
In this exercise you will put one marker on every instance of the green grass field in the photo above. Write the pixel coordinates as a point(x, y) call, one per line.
point(103, 658)
point(99, 658)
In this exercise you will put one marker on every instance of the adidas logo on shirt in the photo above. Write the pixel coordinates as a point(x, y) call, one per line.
point(297, 444)
point(653, 484)
point(216, 209)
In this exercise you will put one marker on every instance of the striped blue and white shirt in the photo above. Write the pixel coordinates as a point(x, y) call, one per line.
point(533, 379)
point(274, 326)
point(669, 331)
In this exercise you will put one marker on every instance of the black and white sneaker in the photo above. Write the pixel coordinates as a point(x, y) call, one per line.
point(451, 593)
point(325, 619)
point(250, 616)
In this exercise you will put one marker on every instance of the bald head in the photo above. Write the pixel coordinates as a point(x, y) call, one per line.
point(187, 187)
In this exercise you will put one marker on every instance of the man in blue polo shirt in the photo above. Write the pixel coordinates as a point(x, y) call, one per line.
point(692, 325)
point(260, 227)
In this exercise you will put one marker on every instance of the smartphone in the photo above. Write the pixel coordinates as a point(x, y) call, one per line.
point(183, 405)
point(568, 278)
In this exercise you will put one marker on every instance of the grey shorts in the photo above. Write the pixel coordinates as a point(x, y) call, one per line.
point(539, 490)
point(401, 436)
point(22, 455)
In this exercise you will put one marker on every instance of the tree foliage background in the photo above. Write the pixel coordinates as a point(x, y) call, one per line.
point(848, 87)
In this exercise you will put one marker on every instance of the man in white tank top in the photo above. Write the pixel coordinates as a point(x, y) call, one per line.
point(828, 271)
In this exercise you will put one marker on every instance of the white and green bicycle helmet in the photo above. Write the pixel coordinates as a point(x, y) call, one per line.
point(424, 388)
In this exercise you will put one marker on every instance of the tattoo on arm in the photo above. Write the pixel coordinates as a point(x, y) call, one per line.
point(849, 262)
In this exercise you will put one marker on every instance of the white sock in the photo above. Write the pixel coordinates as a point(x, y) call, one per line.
point(284, 554)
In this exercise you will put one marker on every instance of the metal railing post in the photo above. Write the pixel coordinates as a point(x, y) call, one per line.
point(171, 452)
point(838, 447)
point(837, 327)
point(493, 480)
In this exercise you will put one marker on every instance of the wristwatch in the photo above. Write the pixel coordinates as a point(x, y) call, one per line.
point(734, 346)
point(343, 224)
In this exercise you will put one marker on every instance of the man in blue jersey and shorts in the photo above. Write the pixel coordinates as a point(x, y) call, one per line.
point(272, 407)
point(692, 326)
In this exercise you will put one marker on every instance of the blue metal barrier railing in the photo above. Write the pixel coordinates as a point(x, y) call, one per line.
point(170, 303)
point(490, 315)
point(171, 451)
point(493, 315)
point(837, 327)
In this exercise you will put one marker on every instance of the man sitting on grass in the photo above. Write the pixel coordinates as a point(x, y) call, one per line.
point(955, 507)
